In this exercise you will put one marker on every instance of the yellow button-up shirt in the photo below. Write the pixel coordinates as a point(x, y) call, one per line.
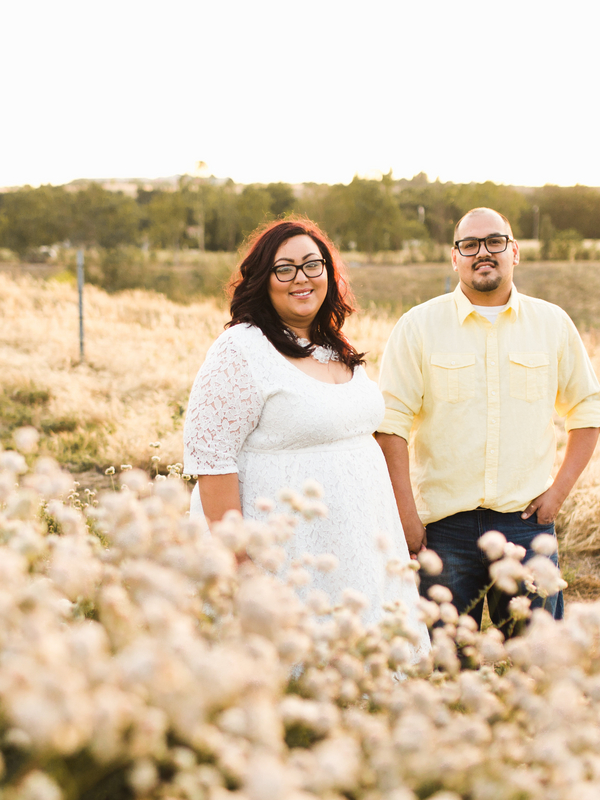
point(475, 401)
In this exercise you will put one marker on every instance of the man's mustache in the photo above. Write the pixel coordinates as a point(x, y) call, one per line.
point(485, 261)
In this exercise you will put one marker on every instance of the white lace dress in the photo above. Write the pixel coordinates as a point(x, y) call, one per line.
point(253, 412)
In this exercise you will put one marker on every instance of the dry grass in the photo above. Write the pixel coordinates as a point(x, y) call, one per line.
point(142, 353)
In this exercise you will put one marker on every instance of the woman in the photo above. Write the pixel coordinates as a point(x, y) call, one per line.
point(282, 398)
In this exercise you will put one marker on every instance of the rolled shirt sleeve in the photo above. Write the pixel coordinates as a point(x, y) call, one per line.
point(578, 396)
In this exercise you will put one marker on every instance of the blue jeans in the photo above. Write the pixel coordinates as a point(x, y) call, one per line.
point(466, 566)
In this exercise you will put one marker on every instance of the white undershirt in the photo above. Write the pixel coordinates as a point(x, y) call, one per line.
point(490, 312)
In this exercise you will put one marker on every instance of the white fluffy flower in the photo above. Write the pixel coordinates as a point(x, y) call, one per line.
point(326, 562)
point(506, 574)
point(38, 785)
point(319, 602)
point(12, 461)
point(492, 543)
point(546, 576)
point(429, 611)
point(515, 551)
point(298, 576)
point(136, 480)
point(544, 544)
point(26, 439)
point(430, 562)
point(312, 488)
point(519, 607)
point(440, 594)
point(314, 508)
point(264, 504)
point(448, 613)
point(143, 776)
point(354, 600)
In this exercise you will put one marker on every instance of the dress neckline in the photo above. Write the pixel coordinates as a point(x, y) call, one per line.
point(301, 372)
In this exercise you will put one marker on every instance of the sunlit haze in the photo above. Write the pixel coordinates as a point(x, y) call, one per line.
point(318, 91)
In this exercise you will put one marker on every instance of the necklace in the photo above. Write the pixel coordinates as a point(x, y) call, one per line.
point(321, 354)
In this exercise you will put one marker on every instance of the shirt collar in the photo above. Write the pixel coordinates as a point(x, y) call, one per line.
point(464, 307)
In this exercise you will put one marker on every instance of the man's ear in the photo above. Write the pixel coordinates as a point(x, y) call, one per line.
point(516, 253)
point(454, 264)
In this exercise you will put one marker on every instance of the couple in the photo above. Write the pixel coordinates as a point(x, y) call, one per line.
point(470, 379)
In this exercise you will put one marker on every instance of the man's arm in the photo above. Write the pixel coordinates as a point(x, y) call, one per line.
point(395, 450)
point(580, 446)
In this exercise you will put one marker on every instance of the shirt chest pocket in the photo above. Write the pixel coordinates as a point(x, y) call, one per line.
point(529, 376)
point(453, 376)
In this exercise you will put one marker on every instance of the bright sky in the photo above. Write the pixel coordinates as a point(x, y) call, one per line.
point(321, 90)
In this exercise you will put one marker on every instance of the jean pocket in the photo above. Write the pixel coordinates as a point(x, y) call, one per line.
point(532, 521)
point(453, 376)
point(529, 376)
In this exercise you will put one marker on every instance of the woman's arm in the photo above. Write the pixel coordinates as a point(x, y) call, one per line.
point(219, 493)
point(225, 407)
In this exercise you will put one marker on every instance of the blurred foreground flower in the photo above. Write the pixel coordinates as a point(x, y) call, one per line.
point(493, 544)
point(26, 439)
point(430, 562)
point(137, 656)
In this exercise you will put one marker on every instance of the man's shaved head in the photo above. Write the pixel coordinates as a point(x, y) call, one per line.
point(482, 210)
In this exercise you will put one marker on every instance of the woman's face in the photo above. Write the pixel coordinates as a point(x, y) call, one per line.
point(298, 301)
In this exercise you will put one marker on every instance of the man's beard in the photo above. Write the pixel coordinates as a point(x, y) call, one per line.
point(487, 283)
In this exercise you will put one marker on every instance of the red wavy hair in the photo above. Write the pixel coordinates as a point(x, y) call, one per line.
point(250, 301)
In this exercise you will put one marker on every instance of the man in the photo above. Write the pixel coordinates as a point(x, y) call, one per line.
point(472, 379)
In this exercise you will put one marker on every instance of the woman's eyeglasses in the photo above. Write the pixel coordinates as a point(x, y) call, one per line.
point(287, 272)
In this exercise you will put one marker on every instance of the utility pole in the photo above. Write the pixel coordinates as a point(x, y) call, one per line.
point(80, 279)
point(536, 223)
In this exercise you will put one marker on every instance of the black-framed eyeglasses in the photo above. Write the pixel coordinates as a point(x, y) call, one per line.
point(287, 272)
point(493, 244)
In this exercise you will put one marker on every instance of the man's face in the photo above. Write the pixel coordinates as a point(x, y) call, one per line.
point(485, 278)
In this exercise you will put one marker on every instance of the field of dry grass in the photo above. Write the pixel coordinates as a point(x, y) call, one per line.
point(142, 353)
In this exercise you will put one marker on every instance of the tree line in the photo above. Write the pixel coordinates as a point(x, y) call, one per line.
point(366, 215)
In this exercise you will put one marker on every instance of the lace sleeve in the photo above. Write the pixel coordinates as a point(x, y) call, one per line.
point(225, 406)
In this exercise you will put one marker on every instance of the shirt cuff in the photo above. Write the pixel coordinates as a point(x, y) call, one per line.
point(585, 415)
point(397, 424)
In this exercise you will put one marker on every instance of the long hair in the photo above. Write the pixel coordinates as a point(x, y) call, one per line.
point(250, 301)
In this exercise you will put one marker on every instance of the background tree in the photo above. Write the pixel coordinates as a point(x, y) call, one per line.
point(103, 218)
point(33, 217)
point(168, 216)
point(254, 207)
point(571, 207)
point(222, 229)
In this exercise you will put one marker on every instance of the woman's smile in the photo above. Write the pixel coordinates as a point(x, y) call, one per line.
point(298, 301)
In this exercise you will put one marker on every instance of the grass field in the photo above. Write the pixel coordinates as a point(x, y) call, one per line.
point(142, 352)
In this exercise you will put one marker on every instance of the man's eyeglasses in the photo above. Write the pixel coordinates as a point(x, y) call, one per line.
point(493, 244)
point(288, 272)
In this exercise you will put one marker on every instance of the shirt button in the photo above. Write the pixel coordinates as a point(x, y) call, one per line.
point(453, 362)
point(492, 451)
point(493, 363)
point(493, 421)
point(490, 481)
point(494, 393)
